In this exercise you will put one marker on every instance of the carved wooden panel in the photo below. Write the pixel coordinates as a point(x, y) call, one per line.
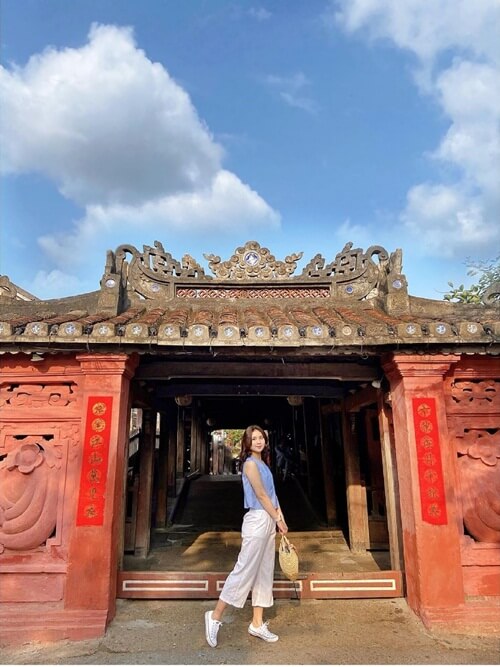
point(479, 472)
point(471, 395)
point(30, 473)
point(31, 395)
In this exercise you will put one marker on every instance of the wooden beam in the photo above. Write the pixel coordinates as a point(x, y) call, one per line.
point(172, 410)
point(327, 460)
point(357, 507)
point(247, 389)
point(140, 398)
point(181, 443)
point(343, 370)
point(145, 493)
point(392, 500)
point(362, 398)
point(162, 490)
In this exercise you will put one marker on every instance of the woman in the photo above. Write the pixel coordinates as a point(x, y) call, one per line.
point(254, 569)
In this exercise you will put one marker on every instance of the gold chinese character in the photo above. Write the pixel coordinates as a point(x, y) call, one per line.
point(427, 442)
point(92, 492)
point(429, 459)
point(99, 409)
point(95, 458)
point(424, 410)
point(96, 441)
point(90, 511)
point(432, 492)
point(425, 426)
point(430, 476)
point(434, 510)
point(98, 425)
point(94, 476)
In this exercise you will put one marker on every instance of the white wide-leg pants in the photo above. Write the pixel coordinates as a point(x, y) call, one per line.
point(254, 569)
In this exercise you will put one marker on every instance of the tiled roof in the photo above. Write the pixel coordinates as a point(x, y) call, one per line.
point(352, 302)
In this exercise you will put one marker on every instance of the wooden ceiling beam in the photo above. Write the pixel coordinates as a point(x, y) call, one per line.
point(170, 370)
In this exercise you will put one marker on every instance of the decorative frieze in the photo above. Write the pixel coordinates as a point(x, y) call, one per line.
point(36, 395)
point(253, 293)
point(473, 395)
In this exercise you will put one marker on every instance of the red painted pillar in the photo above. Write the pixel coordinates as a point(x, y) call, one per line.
point(96, 541)
point(426, 469)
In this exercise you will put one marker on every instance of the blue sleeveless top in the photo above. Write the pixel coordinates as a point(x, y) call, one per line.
point(250, 499)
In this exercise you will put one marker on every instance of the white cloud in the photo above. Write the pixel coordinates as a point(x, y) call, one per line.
point(469, 94)
point(462, 214)
point(121, 138)
point(428, 28)
point(445, 220)
point(291, 90)
point(105, 123)
point(215, 208)
point(51, 284)
point(259, 13)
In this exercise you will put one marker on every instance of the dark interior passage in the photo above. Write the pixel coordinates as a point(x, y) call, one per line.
point(215, 502)
point(184, 485)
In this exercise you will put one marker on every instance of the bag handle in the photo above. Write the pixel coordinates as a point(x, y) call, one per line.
point(286, 542)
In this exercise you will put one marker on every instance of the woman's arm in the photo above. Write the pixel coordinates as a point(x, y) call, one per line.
point(253, 475)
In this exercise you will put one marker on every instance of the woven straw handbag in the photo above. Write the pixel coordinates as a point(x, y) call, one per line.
point(288, 559)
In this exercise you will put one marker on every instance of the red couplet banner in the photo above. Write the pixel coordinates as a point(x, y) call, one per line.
point(95, 462)
point(430, 470)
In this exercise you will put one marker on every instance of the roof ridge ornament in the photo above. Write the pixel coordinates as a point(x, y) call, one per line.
point(348, 264)
point(157, 264)
point(251, 261)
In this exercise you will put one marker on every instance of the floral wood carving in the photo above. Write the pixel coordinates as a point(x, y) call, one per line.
point(477, 393)
point(29, 476)
point(479, 471)
point(36, 395)
point(252, 261)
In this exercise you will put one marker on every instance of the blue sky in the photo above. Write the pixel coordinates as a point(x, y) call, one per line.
point(205, 124)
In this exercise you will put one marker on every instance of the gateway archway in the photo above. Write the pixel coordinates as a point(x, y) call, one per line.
point(332, 489)
point(163, 336)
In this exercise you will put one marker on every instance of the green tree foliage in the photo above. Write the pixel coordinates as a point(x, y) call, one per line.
point(488, 272)
point(233, 439)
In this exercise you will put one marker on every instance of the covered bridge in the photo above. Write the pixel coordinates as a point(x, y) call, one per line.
point(382, 408)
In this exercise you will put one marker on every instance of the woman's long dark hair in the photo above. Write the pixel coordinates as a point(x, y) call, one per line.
point(246, 444)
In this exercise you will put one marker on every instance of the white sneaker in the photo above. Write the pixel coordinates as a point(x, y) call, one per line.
point(263, 632)
point(211, 629)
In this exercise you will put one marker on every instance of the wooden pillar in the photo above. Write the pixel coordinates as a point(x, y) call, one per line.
point(195, 438)
point(145, 495)
point(431, 535)
point(172, 449)
point(391, 485)
point(162, 490)
point(327, 461)
point(181, 443)
point(357, 508)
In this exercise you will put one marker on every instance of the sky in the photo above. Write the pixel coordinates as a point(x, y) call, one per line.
point(204, 124)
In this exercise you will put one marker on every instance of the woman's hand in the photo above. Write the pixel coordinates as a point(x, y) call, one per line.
point(282, 527)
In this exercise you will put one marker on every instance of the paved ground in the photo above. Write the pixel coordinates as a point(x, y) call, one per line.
point(313, 632)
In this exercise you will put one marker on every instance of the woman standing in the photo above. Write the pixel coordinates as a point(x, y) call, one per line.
point(254, 569)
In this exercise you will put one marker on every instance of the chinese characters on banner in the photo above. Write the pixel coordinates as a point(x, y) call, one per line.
point(430, 471)
point(95, 462)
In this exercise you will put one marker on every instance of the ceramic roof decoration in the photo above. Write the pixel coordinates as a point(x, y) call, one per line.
point(358, 300)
